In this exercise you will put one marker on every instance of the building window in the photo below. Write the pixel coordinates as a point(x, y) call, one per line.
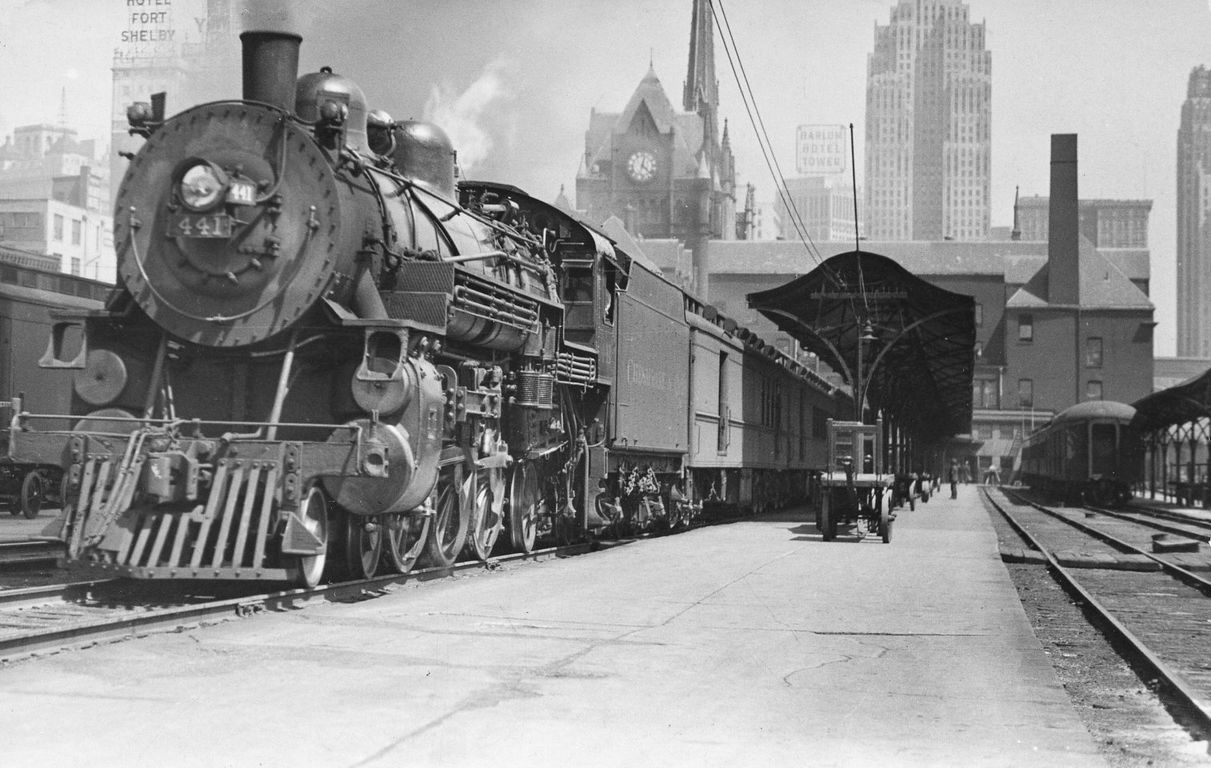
point(75, 265)
point(58, 227)
point(1025, 393)
point(984, 432)
point(984, 394)
point(1026, 328)
point(979, 314)
point(1093, 390)
point(76, 229)
point(1093, 352)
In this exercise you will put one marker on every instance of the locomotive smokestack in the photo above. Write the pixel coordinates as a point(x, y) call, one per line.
point(271, 66)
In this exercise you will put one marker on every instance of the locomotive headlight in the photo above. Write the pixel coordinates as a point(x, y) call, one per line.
point(202, 185)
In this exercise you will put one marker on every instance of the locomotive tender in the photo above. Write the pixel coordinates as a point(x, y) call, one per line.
point(1088, 452)
point(324, 352)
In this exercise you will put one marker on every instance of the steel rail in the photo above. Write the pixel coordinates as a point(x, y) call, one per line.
point(1155, 524)
point(15, 553)
point(171, 618)
point(1171, 514)
point(1189, 578)
point(1199, 708)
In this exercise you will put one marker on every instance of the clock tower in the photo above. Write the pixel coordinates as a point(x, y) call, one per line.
point(665, 173)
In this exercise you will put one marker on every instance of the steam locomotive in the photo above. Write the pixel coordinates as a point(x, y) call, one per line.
point(326, 355)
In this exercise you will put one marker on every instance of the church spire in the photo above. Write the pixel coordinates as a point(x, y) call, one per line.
point(63, 106)
point(700, 84)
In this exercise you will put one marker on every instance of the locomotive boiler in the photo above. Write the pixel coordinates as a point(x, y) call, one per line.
point(321, 350)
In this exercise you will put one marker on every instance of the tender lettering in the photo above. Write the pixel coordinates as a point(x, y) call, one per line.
point(641, 376)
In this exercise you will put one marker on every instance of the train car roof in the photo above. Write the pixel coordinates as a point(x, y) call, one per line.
point(1095, 409)
point(46, 298)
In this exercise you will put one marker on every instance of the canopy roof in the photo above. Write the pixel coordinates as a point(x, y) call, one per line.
point(916, 359)
point(1179, 404)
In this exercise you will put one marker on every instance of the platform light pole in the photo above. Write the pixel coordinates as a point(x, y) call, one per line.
point(867, 334)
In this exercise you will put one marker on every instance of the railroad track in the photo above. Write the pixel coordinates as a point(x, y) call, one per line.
point(1158, 613)
point(24, 553)
point(1201, 524)
point(42, 619)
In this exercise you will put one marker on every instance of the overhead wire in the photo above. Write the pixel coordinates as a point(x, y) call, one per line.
point(754, 116)
point(740, 74)
point(758, 123)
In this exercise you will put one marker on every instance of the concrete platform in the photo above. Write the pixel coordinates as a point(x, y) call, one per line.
point(17, 528)
point(752, 644)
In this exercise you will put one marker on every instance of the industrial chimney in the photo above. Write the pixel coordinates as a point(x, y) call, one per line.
point(1064, 227)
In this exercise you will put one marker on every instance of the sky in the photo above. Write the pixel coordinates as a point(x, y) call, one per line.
point(514, 81)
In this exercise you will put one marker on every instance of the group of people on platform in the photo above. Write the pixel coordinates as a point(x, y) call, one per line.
point(921, 485)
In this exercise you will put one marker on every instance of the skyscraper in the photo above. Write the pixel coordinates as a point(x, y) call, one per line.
point(1193, 219)
point(928, 115)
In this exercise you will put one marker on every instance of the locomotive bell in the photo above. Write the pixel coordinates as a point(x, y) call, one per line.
point(424, 154)
point(314, 93)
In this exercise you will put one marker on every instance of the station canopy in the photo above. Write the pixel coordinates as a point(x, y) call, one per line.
point(904, 341)
point(1180, 404)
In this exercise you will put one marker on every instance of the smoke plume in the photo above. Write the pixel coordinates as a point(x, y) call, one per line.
point(465, 116)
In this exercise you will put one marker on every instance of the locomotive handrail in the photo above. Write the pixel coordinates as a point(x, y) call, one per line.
point(134, 224)
point(164, 422)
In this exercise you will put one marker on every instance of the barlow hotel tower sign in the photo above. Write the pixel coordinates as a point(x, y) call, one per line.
point(820, 150)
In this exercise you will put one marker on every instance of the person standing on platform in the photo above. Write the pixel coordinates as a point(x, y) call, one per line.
point(954, 479)
point(993, 475)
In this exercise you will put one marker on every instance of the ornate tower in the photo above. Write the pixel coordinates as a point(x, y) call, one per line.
point(666, 174)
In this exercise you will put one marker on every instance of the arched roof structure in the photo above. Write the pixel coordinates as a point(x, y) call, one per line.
point(904, 341)
point(1179, 404)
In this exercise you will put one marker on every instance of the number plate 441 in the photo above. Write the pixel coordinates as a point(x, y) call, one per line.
point(200, 225)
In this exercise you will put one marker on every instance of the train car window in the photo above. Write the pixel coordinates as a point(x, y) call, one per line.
point(610, 284)
point(724, 417)
point(777, 415)
point(1026, 393)
point(1093, 352)
point(1026, 328)
point(1093, 390)
point(802, 426)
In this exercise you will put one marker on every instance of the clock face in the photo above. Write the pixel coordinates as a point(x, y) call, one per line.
point(641, 166)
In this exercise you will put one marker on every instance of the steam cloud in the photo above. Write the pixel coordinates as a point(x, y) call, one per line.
point(464, 116)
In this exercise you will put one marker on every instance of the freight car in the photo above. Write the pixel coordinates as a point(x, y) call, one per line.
point(27, 297)
point(326, 355)
point(1088, 452)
